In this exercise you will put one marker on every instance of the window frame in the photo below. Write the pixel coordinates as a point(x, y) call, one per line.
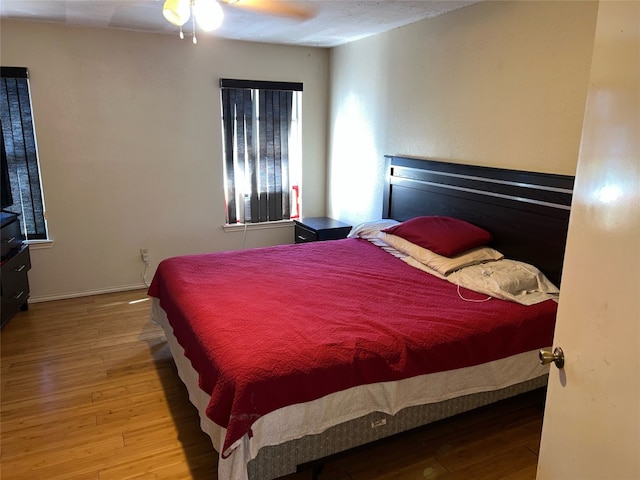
point(259, 119)
point(20, 147)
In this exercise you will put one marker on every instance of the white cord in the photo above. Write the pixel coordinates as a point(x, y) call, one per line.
point(244, 235)
point(470, 299)
point(144, 275)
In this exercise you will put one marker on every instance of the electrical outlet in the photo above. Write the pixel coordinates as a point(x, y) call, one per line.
point(144, 255)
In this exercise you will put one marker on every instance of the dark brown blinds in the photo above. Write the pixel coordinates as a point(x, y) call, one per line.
point(256, 119)
point(20, 151)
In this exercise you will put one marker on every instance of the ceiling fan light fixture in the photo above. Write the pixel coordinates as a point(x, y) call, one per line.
point(208, 14)
point(176, 12)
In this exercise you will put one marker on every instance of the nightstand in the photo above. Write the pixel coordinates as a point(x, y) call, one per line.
point(319, 228)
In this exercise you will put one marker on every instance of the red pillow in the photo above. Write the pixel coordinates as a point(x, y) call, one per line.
point(445, 236)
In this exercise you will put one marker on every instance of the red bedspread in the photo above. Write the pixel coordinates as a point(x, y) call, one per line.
point(270, 327)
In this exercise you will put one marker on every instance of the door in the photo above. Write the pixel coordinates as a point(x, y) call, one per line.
point(591, 426)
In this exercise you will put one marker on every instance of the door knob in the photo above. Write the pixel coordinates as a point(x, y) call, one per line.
point(556, 357)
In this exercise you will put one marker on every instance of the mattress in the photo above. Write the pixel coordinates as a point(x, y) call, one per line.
point(301, 433)
point(329, 333)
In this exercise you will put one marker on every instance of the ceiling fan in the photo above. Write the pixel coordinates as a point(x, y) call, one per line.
point(208, 14)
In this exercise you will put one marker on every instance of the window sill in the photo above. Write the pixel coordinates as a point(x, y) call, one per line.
point(39, 244)
point(239, 227)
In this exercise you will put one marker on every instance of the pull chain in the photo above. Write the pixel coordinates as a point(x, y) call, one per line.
point(193, 22)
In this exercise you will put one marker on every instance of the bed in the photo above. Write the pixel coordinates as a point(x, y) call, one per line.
point(296, 352)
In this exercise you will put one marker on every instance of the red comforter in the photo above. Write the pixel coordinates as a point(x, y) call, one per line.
point(271, 327)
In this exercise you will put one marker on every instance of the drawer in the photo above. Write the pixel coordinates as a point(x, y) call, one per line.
point(334, 233)
point(11, 238)
point(304, 235)
point(15, 281)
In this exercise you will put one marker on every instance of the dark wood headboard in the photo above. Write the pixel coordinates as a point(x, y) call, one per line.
point(526, 212)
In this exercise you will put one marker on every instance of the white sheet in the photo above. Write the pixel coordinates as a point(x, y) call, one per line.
point(314, 417)
point(507, 279)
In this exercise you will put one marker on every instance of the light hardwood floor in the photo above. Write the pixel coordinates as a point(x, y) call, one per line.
point(89, 392)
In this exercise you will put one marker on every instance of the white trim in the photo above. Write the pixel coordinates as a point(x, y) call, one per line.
point(39, 244)
point(240, 227)
point(87, 293)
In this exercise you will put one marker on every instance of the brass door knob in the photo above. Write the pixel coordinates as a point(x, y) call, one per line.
point(556, 357)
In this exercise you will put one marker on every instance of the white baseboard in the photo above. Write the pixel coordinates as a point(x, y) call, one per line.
point(87, 293)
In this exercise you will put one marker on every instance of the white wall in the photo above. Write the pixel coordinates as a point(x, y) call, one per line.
point(129, 138)
point(499, 83)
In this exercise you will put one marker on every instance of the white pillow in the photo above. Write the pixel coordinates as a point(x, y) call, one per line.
point(421, 266)
point(370, 230)
point(442, 265)
point(508, 280)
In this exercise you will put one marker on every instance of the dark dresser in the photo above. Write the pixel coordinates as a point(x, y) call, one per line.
point(16, 262)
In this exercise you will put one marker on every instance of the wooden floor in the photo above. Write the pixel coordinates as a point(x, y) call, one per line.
point(89, 392)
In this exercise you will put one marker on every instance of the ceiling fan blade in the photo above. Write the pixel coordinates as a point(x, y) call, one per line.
point(275, 7)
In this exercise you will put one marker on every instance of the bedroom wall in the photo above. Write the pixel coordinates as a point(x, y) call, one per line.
point(129, 139)
point(498, 83)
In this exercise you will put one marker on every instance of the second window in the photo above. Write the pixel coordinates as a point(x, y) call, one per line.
point(261, 149)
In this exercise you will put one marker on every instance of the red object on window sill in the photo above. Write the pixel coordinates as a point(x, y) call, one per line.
point(296, 201)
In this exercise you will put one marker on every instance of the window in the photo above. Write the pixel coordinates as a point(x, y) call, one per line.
point(22, 191)
point(261, 149)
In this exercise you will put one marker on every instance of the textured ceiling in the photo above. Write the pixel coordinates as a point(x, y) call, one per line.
point(335, 21)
